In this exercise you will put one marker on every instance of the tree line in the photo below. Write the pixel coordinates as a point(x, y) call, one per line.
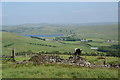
point(112, 50)
point(42, 44)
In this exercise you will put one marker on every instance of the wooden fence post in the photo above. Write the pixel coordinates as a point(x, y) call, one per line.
point(13, 55)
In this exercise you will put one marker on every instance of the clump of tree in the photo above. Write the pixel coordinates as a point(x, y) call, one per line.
point(42, 44)
point(9, 45)
point(37, 38)
point(66, 39)
point(24, 53)
point(93, 54)
point(110, 50)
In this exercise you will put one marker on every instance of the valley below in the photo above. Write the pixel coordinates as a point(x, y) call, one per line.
point(99, 44)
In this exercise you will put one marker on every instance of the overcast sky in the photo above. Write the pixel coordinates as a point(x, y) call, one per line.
point(58, 12)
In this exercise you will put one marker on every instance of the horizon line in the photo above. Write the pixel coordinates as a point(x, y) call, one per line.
point(60, 23)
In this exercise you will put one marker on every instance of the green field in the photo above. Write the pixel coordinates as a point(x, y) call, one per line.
point(21, 43)
point(98, 32)
point(56, 71)
point(11, 70)
point(12, 38)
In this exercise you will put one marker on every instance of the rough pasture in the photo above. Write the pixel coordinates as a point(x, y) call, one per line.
point(56, 71)
point(53, 70)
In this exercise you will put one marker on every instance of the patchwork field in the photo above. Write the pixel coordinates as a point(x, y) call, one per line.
point(99, 34)
point(22, 43)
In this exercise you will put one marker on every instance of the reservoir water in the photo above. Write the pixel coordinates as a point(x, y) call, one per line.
point(52, 35)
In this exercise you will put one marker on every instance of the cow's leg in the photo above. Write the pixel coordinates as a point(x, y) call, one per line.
point(75, 53)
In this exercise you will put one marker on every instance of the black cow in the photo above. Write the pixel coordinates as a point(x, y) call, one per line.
point(78, 51)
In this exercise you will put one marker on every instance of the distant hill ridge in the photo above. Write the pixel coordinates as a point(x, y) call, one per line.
point(91, 30)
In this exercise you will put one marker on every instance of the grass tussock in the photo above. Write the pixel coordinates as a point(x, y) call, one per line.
point(56, 71)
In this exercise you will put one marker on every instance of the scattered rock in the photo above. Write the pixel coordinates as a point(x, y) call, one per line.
point(72, 60)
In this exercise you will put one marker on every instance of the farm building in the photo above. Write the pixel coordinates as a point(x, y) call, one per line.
point(48, 39)
point(84, 40)
point(94, 48)
point(109, 41)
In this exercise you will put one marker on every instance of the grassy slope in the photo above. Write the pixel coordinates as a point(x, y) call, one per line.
point(56, 71)
point(103, 32)
point(21, 43)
